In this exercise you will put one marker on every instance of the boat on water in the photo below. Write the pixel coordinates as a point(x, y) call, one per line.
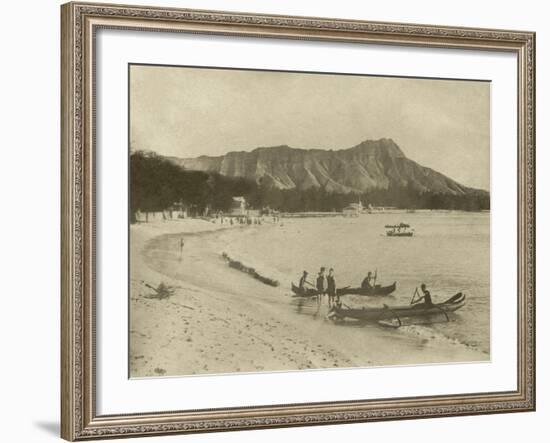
point(399, 234)
point(303, 292)
point(393, 315)
point(376, 290)
point(373, 291)
point(400, 230)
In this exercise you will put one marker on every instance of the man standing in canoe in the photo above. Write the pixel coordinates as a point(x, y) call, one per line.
point(426, 296)
point(366, 283)
point(321, 285)
point(303, 282)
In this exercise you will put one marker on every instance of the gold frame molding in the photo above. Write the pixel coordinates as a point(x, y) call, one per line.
point(79, 22)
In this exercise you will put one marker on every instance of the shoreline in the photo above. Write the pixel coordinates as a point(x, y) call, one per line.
point(221, 320)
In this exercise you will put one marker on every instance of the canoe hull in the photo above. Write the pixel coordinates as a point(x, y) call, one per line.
point(388, 312)
point(375, 291)
point(371, 292)
point(299, 292)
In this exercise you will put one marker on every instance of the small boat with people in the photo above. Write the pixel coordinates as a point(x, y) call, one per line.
point(304, 288)
point(399, 230)
point(368, 287)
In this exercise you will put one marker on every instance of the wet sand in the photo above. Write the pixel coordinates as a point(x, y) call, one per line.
point(220, 320)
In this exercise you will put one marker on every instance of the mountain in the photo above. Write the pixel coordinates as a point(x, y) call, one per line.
point(372, 164)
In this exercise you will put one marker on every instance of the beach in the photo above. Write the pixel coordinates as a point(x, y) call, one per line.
point(221, 320)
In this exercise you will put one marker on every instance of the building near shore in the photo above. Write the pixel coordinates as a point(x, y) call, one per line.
point(238, 206)
point(353, 209)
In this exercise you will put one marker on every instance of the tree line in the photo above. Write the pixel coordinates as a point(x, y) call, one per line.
point(157, 183)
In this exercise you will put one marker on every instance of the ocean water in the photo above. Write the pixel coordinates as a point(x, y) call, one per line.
point(449, 252)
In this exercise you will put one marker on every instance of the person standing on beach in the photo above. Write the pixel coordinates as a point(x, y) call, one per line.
point(331, 287)
point(321, 285)
point(182, 244)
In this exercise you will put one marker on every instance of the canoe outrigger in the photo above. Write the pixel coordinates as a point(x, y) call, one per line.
point(372, 291)
point(400, 230)
point(393, 315)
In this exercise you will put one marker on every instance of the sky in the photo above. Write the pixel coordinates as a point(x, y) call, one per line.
point(187, 112)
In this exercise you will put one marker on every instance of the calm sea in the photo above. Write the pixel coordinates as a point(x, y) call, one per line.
point(449, 252)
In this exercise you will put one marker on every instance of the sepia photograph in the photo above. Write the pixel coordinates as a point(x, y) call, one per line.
point(284, 221)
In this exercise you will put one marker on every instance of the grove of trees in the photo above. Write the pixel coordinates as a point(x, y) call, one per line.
point(156, 183)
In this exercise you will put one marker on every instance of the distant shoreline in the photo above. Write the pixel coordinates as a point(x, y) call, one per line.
point(378, 212)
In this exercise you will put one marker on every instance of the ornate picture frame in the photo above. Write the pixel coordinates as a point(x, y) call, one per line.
point(80, 22)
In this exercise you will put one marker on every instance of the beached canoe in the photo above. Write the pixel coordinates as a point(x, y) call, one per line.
point(373, 291)
point(301, 292)
point(395, 312)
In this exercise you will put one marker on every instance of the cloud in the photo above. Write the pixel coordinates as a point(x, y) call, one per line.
point(187, 112)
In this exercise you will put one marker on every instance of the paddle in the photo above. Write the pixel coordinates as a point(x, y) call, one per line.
point(414, 295)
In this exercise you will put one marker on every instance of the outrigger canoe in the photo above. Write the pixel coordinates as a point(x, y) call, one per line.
point(372, 291)
point(396, 312)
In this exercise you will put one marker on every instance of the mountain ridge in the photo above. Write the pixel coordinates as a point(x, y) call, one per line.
point(369, 165)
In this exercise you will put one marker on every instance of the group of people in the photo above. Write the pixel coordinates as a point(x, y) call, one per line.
point(238, 220)
point(244, 219)
point(325, 284)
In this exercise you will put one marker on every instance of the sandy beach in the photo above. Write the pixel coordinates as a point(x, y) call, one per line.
point(220, 320)
point(209, 325)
